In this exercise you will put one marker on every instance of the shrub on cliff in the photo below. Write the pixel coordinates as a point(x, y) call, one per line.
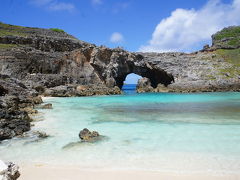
point(228, 38)
point(57, 30)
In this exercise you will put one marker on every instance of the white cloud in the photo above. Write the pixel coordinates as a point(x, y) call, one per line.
point(185, 29)
point(96, 2)
point(40, 2)
point(118, 7)
point(60, 6)
point(54, 5)
point(116, 37)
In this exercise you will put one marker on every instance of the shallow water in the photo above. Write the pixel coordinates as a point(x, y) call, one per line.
point(164, 132)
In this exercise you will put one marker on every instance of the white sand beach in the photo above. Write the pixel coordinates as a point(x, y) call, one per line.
point(40, 172)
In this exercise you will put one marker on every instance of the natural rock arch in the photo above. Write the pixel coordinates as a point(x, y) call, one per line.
point(156, 76)
point(112, 67)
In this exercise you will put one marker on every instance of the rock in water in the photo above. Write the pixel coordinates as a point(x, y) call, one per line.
point(88, 136)
point(144, 85)
point(37, 100)
point(42, 135)
point(46, 106)
point(9, 171)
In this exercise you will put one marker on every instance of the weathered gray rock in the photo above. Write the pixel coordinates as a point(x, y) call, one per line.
point(161, 88)
point(9, 171)
point(41, 135)
point(144, 85)
point(46, 106)
point(57, 69)
point(88, 136)
point(13, 121)
point(81, 90)
point(37, 100)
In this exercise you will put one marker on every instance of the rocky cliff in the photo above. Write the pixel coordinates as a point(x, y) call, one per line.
point(49, 62)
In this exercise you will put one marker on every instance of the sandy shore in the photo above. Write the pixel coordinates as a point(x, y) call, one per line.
point(40, 172)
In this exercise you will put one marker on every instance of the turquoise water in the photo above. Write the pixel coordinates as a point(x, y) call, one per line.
point(163, 132)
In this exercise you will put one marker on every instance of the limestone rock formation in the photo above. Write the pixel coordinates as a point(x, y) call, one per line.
point(88, 136)
point(13, 121)
point(144, 85)
point(15, 105)
point(46, 106)
point(81, 90)
point(9, 171)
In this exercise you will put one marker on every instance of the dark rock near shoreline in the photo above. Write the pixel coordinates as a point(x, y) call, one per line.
point(81, 90)
point(42, 135)
point(46, 106)
point(37, 100)
point(88, 136)
point(144, 85)
point(9, 171)
point(14, 119)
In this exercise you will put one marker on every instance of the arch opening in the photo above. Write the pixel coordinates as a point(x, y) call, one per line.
point(130, 82)
point(156, 76)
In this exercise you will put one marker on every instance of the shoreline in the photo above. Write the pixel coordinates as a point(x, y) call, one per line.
point(49, 172)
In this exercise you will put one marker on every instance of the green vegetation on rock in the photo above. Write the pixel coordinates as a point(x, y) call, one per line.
point(228, 33)
point(211, 77)
point(7, 46)
point(230, 55)
point(57, 30)
point(228, 38)
point(234, 42)
point(11, 30)
point(230, 72)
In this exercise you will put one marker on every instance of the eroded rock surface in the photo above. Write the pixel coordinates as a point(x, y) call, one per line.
point(144, 85)
point(88, 136)
point(9, 171)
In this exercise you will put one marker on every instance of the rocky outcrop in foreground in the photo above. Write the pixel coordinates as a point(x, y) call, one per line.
point(36, 62)
point(87, 136)
point(9, 171)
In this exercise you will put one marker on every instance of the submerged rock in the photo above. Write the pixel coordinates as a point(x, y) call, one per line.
point(9, 171)
point(34, 136)
point(88, 136)
point(72, 145)
point(83, 143)
point(46, 106)
point(42, 135)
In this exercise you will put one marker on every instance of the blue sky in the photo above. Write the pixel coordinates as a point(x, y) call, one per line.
point(135, 25)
